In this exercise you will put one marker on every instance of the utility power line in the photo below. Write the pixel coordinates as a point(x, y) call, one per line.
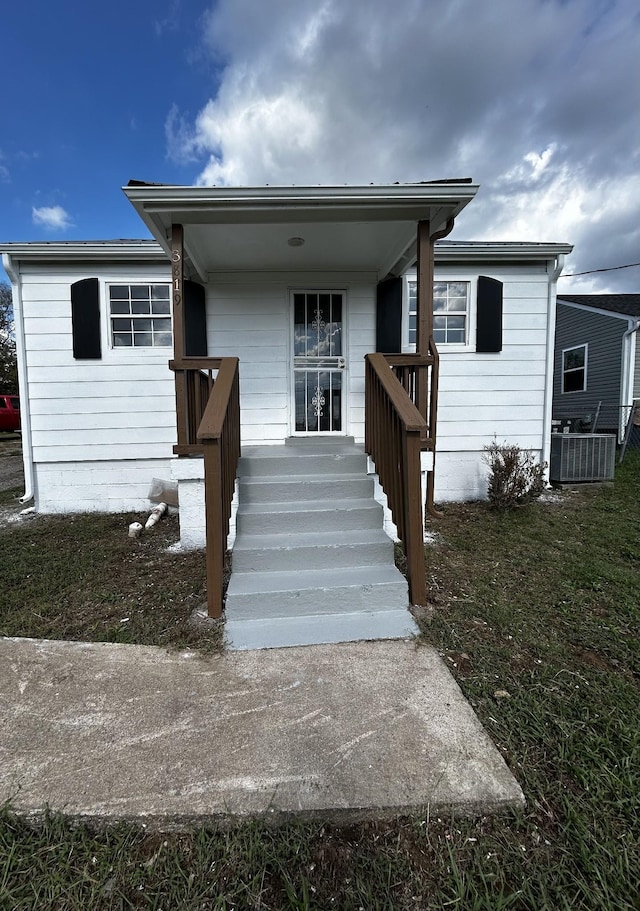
point(591, 271)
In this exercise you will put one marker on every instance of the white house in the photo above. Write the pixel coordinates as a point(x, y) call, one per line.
point(300, 284)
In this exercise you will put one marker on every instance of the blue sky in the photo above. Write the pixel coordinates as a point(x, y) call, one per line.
point(537, 100)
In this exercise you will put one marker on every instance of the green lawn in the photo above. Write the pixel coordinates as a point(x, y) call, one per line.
point(536, 613)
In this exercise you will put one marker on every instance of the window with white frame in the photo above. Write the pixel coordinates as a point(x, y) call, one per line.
point(450, 312)
point(140, 316)
point(574, 369)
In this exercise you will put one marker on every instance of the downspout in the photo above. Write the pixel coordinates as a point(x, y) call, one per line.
point(548, 388)
point(626, 390)
point(13, 271)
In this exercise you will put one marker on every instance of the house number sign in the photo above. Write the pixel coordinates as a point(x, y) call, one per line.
point(176, 267)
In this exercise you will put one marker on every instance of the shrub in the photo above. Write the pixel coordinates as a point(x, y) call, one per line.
point(515, 478)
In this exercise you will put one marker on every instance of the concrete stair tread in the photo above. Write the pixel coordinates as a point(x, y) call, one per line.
point(305, 506)
point(311, 539)
point(322, 580)
point(302, 452)
point(328, 479)
point(346, 626)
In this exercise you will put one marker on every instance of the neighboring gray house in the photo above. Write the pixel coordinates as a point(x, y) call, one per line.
point(597, 361)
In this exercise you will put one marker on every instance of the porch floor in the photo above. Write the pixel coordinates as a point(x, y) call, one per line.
point(338, 732)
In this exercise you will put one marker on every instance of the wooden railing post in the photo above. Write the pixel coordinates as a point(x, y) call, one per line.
point(415, 537)
point(219, 435)
point(395, 435)
point(215, 540)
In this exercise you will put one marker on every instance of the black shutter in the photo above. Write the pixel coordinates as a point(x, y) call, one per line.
point(389, 316)
point(85, 319)
point(195, 320)
point(489, 315)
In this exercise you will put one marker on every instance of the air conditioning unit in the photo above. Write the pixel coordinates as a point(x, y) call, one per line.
point(577, 457)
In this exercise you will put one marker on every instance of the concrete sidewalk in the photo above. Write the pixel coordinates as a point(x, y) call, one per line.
point(341, 732)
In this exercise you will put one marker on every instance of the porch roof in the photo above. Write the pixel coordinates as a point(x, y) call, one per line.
point(367, 228)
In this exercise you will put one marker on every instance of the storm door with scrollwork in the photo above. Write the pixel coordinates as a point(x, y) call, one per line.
point(318, 362)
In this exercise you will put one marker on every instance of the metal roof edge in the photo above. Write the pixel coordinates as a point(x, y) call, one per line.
point(239, 197)
point(473, 249)
point(43, 251)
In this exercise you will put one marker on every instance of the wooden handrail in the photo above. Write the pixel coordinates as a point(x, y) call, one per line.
point(395, 434)
point(219, 436)
point(194, 380)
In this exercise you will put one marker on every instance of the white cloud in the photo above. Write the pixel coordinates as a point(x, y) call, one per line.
point(536, 101)
point(54, 218)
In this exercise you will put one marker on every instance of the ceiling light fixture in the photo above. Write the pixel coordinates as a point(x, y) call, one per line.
point(296, 241)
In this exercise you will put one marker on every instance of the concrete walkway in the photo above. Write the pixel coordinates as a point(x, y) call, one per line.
point(341, 732)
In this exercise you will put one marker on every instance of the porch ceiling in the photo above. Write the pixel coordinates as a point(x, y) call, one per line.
point(369, 228)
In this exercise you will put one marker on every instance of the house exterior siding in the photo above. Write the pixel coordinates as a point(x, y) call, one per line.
point(100, 429)
point(499, 395)
point(603, 335)
point(249, 317)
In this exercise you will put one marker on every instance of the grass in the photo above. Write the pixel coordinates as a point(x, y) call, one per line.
point(537, 614)
point(82, 577)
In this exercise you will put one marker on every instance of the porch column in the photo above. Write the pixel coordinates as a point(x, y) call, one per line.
point(177, 307)
point(177, 290)
point(424, 303)
point(426, 403)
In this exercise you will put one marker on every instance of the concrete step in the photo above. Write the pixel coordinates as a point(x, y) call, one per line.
point(320, 550)
point(308, 516)
point(320, 443)
point(278, 489)
point(311, 562)
point(269, 461)
point(313, 630)
point(314, 592)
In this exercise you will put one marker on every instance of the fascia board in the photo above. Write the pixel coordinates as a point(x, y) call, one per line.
point(597, 310)
point(197, 204)
point(153, 197)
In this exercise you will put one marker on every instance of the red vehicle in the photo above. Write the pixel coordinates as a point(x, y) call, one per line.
point(9, 412)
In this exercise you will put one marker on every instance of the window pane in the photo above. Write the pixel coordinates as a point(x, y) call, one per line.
point(142, 339)
point(439, 323)
point(120, 307)
point(455, 336)
point(122, 340)
point(455, 322)
point(161, 325)
point(140, 292)
point(439, 303)
point(160, 292)
point(119, 292)
point(457, 289)
point(574, 381)
point(163, 340)
point(574, 358)
point(158, 306)
point(140, 306)
point(142, 325)
point(438, 336)
point(121, 325)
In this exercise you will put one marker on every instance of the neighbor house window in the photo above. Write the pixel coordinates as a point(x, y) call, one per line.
point(140, 316)
point(450, 312)
point(574, 369)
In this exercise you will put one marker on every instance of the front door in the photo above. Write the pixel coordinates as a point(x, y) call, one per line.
point(318, 361)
